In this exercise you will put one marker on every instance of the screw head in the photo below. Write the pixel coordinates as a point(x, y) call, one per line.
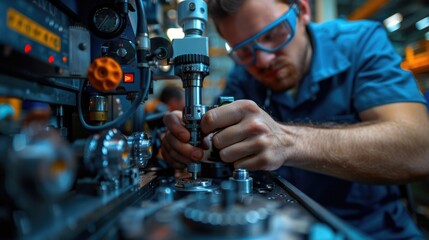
point(192, 6)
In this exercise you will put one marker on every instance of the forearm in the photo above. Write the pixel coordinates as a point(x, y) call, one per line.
point(376, 152)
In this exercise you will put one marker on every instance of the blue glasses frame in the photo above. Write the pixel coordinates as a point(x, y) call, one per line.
point(290, 17)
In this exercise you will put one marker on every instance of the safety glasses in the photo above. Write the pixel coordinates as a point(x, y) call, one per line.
point(270, 39)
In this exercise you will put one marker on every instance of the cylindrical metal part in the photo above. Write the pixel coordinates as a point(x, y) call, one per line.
point(243, 181)
point(193, 90)
point(141, 149)
point(192, 65)
point(165, 194)
point(106, 154)
point(98, 108)
point(192, 68)
point(228, 194)
point(195, 169)
point(192, 16)
point(195, 131)
point(240, 174)
point(98, 103)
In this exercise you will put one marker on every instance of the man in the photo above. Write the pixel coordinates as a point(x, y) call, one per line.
point(340, 119)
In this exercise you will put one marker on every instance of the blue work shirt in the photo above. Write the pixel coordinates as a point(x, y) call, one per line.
point(354, 68)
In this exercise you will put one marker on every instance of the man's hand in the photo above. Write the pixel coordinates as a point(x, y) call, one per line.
point(247, 136)
point(175, 148)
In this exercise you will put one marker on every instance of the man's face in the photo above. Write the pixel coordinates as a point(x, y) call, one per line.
point(279, 70)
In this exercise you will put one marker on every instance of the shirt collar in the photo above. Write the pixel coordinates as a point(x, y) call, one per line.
point(326, 62)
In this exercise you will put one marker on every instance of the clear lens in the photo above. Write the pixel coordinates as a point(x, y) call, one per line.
point(271, 41)
point(275, 37)
point(244, 55)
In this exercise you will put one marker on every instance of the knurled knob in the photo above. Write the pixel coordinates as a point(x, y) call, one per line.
point(192, 59)
point(105, 74)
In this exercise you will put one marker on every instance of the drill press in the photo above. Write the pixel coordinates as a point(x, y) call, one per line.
point(191, 64)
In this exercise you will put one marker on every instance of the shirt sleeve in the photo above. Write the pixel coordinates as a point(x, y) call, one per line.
point(380, 79)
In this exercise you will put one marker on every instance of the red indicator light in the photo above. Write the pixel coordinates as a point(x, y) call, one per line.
point(64, 59)
point(51, 59)
point(27, 48)
point(128, 77)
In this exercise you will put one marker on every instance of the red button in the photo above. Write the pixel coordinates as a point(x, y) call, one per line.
point(51, 59)
point(128, 77)
point(27, 48)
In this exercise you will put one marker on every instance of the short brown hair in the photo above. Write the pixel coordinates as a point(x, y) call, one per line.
point(219, 9)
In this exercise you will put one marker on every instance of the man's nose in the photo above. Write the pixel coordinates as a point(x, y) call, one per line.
point(263, 59)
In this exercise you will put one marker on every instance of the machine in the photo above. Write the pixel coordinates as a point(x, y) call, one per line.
point(80, 154)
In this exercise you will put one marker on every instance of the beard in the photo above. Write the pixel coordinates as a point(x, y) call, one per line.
point(282, 75)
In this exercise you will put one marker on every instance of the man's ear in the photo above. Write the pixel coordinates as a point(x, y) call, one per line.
point(304, 11)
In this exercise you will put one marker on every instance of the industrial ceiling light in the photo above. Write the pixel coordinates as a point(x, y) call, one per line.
point(393, 22)
point(175, 33)
point(423, 23)
point(227, 47)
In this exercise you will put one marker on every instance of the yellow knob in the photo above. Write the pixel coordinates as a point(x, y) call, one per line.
point(105, 74)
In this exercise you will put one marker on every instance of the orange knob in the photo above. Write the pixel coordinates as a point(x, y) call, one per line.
point(105, 74)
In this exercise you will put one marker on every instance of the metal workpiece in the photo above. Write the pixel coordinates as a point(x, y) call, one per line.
point(242, 180)
point(195, 185)
point(105, 154)
point(41, 167)
point(140, 149)
point(194, 169)
point(229, 195)
point(240, 174)
point(189, 183)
